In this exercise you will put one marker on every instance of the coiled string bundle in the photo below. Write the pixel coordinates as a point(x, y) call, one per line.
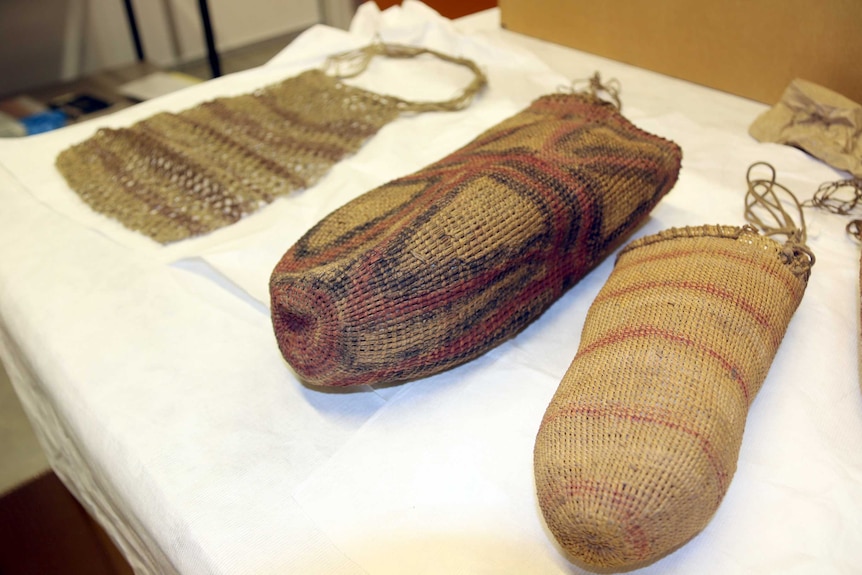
point(762, 197)
point(833, 197)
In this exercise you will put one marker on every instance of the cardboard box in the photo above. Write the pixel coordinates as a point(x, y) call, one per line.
point(751, 48)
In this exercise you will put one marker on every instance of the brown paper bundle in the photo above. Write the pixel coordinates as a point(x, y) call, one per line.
point(640, 441)
point(436, 268)
point(824, 123)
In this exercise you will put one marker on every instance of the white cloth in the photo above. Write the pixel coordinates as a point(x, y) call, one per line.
point(160, 395)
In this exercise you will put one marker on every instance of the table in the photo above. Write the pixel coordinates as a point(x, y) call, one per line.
point(153, 380)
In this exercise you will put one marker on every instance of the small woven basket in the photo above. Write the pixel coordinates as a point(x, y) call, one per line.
point(641, 440)
point(436, 268)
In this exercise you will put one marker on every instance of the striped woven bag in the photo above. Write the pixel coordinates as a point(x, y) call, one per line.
point(433, 269)
point(179, 175)
point(639, 443)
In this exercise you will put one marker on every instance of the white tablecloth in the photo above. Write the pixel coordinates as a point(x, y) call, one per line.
point(153, 378)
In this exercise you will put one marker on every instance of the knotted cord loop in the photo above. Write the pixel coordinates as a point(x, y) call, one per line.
point(762, 197)
point(761, 194)
point(354, 62)
point(832, 196)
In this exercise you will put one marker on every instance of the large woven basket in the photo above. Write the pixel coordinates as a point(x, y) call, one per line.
point(434, 269)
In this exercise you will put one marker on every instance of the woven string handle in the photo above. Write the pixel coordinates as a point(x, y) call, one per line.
point(841, 197)
point(357, 61)
point(762, 198)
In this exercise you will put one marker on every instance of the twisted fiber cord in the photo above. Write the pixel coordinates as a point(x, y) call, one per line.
point(762, 193)
point(358, 61)
point(832, 197)
point(597, 89)
point(434, 269)
point(761, 197)
point(174, 176)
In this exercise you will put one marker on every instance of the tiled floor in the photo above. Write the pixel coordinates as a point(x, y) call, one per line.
point(21, 457)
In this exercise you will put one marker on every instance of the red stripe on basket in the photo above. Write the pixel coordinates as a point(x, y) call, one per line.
point(638, 416)
point(633, 260)
point(652, 331)
point(701, 287)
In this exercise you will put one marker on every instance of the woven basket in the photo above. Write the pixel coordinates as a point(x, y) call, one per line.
point(640, 441)
point(436, 268)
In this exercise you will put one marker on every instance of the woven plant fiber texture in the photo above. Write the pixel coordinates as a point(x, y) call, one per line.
point(433, 269)
point(175, 176)
point(639, 443)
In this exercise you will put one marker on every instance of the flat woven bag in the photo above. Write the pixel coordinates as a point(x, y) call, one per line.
point(638, 445)
point(434, 269)
point(175, 176)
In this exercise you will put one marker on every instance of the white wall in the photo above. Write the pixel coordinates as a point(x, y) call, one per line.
point(236, 23)
point(43, 41)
